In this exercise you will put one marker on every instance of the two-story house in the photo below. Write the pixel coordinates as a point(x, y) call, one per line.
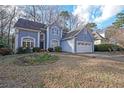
point(33, 34)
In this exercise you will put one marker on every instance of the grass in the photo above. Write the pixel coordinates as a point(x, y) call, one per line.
point(65, 71)
point(36, 59)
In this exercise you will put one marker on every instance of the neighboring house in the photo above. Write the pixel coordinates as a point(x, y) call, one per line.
point(32, 34)
point(99, 38)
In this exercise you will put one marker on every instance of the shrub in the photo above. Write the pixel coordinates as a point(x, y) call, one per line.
point(107, 47)
point(28, 50)
point(36, 49)
point(50, 49)
point(22, 50)
point(58, 49)
point(36, 59)
point(3, 42)
point(5, 51)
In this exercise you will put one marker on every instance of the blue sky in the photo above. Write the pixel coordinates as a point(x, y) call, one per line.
point(102, 15)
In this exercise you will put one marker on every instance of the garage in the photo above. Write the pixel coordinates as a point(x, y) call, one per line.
point(78, 41)
point(83, 47)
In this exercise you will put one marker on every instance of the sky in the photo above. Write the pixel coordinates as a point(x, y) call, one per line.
point(102, 15)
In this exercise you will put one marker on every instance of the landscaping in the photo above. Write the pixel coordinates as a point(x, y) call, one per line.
point(66, 70)
point(36, 59)
point(107, 47)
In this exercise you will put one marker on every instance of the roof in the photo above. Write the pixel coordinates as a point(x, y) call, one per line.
point(23, 23)
point(97, 35)
point(70, 34)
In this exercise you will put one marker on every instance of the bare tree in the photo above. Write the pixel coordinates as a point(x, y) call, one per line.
point(119, 37)
point(3, 19)
point(11, 19)
point(29, 12)
point(49, 14)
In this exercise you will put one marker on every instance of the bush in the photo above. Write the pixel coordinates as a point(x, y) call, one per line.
point(58, 49)
point(36, 49)
point(22, 50)
point(3, 42)
point(50, 49)
point(28, 50)
point(107, 47)
point(5, 51)
point(36, 59)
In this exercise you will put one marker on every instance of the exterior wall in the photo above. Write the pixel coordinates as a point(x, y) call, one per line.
point(25, 33)
point(68, 45)
point(97, 42)
point(51, 36)
point(85, 36)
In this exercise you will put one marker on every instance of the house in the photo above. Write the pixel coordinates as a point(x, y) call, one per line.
point(33, 34)
point(99, 37)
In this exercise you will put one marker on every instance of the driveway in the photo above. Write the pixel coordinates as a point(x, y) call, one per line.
point(106, 55)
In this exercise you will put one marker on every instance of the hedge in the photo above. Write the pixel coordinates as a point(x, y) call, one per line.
point(107, 47)
point(22, 50)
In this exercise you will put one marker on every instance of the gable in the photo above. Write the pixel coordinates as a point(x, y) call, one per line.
point(85, 35)
point(55, 30)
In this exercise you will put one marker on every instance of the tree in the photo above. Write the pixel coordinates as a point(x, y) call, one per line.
point(64, 16)
point(11, 18)
point(119, 37)
point(30, 12)
point(91, 26)
point(3, 19)
point(110, 31)
point(119, 22)
point(3, 42)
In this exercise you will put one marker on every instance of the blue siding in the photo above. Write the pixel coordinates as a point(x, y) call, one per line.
point(23, 33)
point(84, 35)
point(52, 36)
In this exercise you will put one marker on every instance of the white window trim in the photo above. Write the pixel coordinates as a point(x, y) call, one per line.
point(55, 40)
point(27, 37)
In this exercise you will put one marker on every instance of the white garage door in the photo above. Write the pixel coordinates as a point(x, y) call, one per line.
point(84, 47)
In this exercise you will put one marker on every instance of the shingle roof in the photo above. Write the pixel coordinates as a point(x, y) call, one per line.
point(23, 23)
point(70, 34)
point(97, 35)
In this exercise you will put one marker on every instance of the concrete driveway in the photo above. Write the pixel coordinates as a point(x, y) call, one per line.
point(105, 55)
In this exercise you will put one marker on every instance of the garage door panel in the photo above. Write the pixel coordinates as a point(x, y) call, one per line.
point(82, 46)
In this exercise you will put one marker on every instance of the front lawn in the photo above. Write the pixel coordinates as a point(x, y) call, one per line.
point(65, 71)
point(36, 59)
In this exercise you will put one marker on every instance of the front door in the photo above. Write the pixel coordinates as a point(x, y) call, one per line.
point(42, 45)
point(42, 41)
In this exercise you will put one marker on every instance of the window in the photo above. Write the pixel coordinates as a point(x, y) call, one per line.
point(55, 31)
point(28, 43)
point(55, 43)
